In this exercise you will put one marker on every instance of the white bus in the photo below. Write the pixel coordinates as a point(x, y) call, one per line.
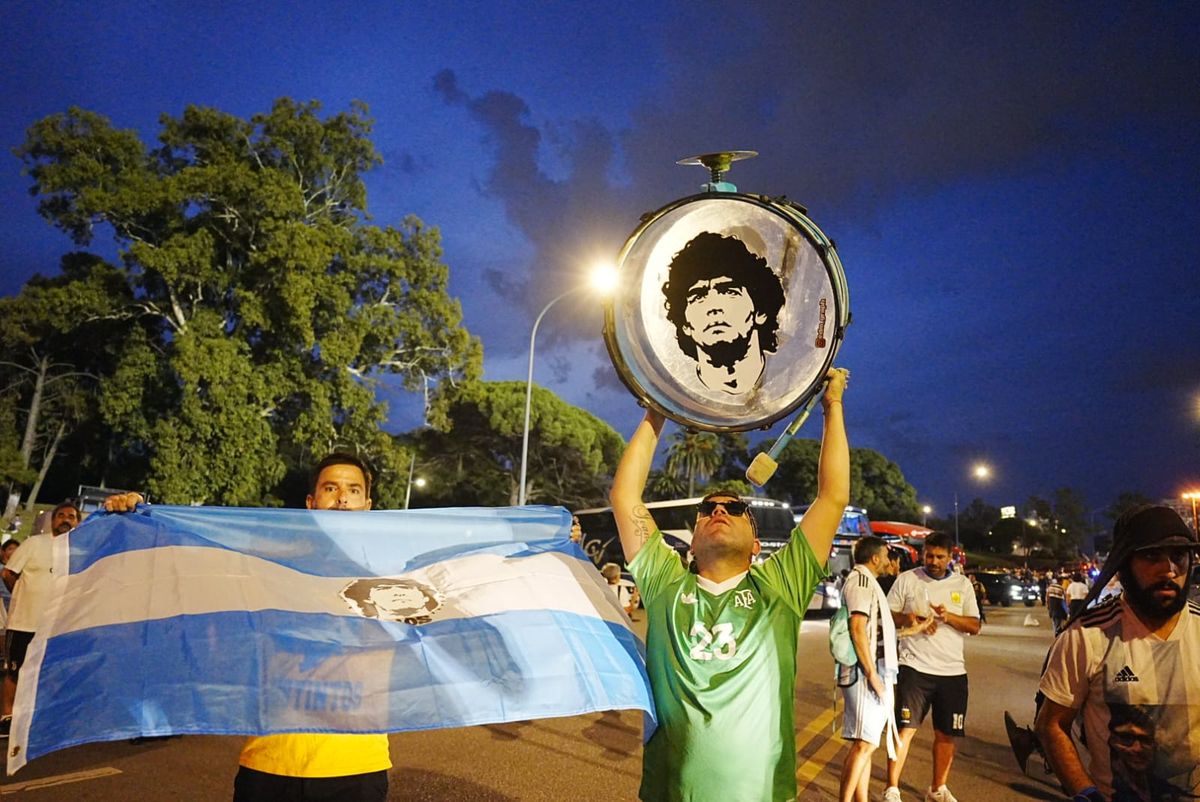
point(775, 520)
point(675, 518)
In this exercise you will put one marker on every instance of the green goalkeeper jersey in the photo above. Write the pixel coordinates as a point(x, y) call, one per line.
point(722, 665)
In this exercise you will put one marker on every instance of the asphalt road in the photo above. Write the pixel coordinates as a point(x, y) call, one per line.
point(596, 757)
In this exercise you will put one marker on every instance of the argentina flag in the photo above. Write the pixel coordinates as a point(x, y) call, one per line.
point(177, 620)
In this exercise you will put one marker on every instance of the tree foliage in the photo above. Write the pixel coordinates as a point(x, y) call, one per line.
point(259, 304)
point(1123, 503)
point(693, 457)
point(572, 453)
point(55, 342)
point(876, 483)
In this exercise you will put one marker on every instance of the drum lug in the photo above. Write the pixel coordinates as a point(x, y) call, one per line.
point(782, 200)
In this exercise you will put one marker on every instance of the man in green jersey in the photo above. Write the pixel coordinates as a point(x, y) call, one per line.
point(721, 643)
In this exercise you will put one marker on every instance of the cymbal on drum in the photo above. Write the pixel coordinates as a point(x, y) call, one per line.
point(720, 160)
point(717, 163)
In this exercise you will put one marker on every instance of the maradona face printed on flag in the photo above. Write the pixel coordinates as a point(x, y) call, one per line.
point(393, 599)
point(176, 620)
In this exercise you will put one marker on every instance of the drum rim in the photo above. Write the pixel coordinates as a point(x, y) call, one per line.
point(793, 213)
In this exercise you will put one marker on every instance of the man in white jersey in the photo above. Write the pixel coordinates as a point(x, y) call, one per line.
point(721, 643)
point(867, 688)
point(28, 575)
point(933, 673)
point(1131, 666)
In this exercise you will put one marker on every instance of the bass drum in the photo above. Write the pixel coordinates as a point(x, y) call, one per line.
point(729, 311)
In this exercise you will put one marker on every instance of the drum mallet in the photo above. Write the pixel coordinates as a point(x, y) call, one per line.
point(764, 465)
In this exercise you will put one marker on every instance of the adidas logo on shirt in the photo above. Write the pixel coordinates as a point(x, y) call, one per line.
point(1125, 675)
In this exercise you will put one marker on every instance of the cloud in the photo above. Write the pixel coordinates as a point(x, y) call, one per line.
point(863, 102)
point(570, 221)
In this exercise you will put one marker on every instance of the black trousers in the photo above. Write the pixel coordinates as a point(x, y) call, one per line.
point(258, 786)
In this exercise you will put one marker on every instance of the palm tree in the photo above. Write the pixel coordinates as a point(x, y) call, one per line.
point(694, 455)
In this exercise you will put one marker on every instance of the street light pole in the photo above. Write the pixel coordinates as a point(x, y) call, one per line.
point(980, 472)
point(1194, 497)
point(955, 517)
point(529, 392)
point(412, 464)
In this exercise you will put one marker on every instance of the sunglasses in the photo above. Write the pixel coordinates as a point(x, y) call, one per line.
point(1179, 555)
point(734, 508)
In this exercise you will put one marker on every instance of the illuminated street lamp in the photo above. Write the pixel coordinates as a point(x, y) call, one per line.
point(982, 473)
point(1193, 497)
point(418, 481)
point(925, 515)
point(602, 280)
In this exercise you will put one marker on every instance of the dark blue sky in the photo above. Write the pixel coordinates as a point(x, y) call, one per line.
point(1013, 187)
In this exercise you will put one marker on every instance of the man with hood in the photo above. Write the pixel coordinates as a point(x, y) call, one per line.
point(1137, 651)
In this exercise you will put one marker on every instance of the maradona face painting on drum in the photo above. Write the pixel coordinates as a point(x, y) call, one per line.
point(724, 302)
point(729, 310)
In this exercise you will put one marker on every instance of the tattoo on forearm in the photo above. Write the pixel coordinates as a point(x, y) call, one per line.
point(641, 523)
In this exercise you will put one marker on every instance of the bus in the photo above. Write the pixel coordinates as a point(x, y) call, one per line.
point(675, 518)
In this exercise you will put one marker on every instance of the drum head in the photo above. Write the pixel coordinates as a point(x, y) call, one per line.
point(729, 311)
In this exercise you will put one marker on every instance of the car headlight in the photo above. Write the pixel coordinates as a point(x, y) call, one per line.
point(1015, 591)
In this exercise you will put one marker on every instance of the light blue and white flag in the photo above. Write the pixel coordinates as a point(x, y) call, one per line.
point(247, 621)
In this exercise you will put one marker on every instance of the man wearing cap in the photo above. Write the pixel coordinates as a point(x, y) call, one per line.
point(721, 643)
point(1131, 666)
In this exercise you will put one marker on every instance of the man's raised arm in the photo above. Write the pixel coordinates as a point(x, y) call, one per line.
point(634, 523)
point(821, 521)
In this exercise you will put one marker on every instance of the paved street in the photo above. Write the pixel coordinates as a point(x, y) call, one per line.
point(595, 757)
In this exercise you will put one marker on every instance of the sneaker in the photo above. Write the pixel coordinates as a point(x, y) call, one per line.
point(942, 794)
point(891, 794)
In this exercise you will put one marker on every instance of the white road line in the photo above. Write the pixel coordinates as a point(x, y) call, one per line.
point(59, 779)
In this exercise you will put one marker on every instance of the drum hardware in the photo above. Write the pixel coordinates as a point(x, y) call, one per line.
point(764, 465)
point(718, 164)
point(730, 309)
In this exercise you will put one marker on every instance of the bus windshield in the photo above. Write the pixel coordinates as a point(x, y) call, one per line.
point(675, 518)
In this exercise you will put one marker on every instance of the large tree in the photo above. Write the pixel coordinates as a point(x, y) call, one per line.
point(572, 453)
point(261, 305)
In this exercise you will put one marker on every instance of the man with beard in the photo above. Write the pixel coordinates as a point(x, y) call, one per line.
point(27, 575)
point(724, 302)
point(1139, 650)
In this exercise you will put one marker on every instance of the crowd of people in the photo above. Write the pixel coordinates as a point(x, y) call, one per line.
point(721, 650)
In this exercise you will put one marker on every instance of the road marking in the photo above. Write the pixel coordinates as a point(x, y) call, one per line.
point(814, 729)
point(59, 779)
point(817, 763)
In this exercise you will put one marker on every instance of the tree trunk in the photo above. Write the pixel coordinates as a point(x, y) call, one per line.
point(35, 411)
point(37, 485)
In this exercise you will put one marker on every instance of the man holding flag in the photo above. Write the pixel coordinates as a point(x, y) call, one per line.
point(301, 766)
point(721, 643)
point(176, 620)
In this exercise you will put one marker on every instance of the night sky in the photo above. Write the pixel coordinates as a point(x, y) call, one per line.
point(1013, 188)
